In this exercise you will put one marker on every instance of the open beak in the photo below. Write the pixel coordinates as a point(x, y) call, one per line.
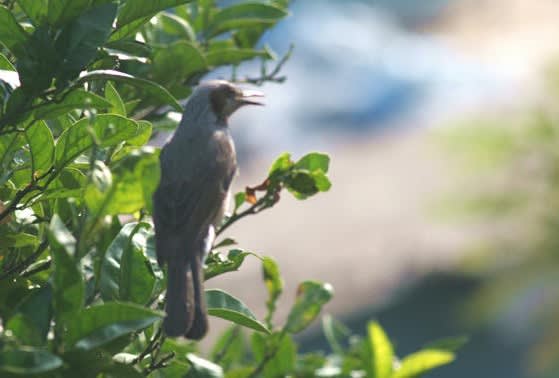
point(251, 97)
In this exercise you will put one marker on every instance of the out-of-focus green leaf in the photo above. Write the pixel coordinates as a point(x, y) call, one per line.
point(282, 364)
point(311, 296)
point(12, 239)
point(274, 285)
point(177, 62)
point(62, 11)
point(229, 348)
point(27, 360)
point(97, 325)
point(201, 368)
point(68, 286)
point(41, 147)
point(244, 15)
point(153, 89)
point(80, 39)
point(109, 129)
point(421, 362)
point(334, 330)
point(36, 309)
point(380, 353)
point(227, 307)
point(12, 34)
point(78, 99)
point(282, 163)
point(135, 178)
point(117, 105)
point(176, 25)
point(227, 56)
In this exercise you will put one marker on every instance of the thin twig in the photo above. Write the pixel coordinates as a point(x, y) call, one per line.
point(271, 76)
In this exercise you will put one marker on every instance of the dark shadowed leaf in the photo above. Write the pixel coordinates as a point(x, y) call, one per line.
point(81, 38)
point(153, 89)
point(36, 309)
point(311, 296)
point(27, 360)
point(11, 33)
point(98, 325)
point(62, 11)
point(227, 307)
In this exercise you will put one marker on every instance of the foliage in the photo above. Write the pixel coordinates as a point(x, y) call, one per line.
point(513, 186)
point(83, 85)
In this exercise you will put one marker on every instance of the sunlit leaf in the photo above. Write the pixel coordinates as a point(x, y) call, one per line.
point(311, 296)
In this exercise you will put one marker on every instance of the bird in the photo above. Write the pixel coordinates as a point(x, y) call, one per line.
point(197, 164)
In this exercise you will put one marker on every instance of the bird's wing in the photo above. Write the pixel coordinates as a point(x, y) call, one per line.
point(185, 205)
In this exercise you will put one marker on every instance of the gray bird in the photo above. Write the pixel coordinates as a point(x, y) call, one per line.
point(197, 166)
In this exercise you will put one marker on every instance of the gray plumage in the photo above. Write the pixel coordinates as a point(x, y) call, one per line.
point(197, 164)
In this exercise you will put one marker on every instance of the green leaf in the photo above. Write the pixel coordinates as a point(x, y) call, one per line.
point(78, 99)
point(142, 9)
point(227, 307)
point(117, 105)
point(5, 64)
point(109, 130)
point(12, 34)
point(151, 88)
point(229, 349)
point(234, 56)
point(68, 286)
point(41, 147)
point(178, 62)
point(423, 361)
point(201, 368)
point(143, 134)
point(80, 39)
point(244, 15)
point(314, 161)
point(176, 25)
point(12, 239)
point(217, 265)
point(26, 360)
point(240, 198)
point(281, 164)
point(137, 280)
point(311, 296)
point(380, 353)
point(97, 325)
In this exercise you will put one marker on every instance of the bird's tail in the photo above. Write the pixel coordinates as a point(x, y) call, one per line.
point(199, 325)
point(179, 300)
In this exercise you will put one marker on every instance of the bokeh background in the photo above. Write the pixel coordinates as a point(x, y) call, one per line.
point(441, 120)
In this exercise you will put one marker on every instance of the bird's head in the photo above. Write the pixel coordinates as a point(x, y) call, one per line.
point(225, 98)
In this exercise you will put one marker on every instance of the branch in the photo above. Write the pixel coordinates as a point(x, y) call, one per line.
point(18, 268)
point(271, 76)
